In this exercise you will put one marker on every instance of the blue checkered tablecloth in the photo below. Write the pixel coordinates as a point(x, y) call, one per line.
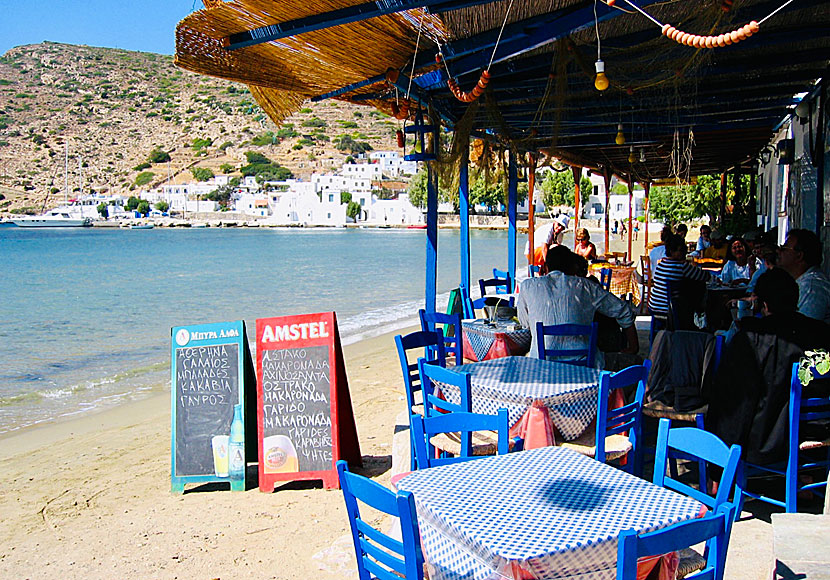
point(545, 513)
point(568, 392)
point(481, 335)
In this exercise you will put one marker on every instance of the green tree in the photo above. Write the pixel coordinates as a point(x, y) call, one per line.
point(201, 173)
point(558, 189)
point(158, 155)
point(348, 143)
point(703, 199)
point(222, 195)
point(226, 168)
point(102, 210)
point(345, 197)
point(132, 203)
point(353, 209)
point(143, 207)
point(162, 206)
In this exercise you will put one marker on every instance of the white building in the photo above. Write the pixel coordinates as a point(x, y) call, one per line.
point(393, 212)
point(392, 164)
point(295, 202)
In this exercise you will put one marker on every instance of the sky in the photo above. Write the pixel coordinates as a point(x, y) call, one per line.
point(144, 25)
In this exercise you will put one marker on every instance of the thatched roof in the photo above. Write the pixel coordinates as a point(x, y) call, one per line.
point(688, 110)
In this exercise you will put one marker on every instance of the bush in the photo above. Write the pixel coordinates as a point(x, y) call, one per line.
point(225, 145)
point(226, 168)
point(102, 210)
point(314, 122)
point(201, 173)
point(267, 138)
point(348, 124)
point(305, 110)
point(253, 157)
point(142, 166)
point(144, 178)
point(143, 207)
point(162, 206)
point(287, 132)
point(199, 143)
point(158, 155)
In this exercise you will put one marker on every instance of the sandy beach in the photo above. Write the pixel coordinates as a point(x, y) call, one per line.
point(90, 497)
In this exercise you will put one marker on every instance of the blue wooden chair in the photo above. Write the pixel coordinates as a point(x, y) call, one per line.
point(715, 529)
point(579, 356)
point(605, 278)
point(501, 285)
point(452, 331)
point(503, 275)
point(432, 373)
point(619, 431)
point(800, 447)
point(411, 374)
point(378, 554)
point(460, 436)
point(699, 445)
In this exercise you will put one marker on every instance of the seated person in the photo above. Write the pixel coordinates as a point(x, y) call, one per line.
point(740, 267)
point(563, 298)
point(768, 257)
point(717, 250)
point(749, 397)
point(801, 256)
point(675, 270)
point(681, 230)
point(703, 242)
point(546, 237)
point(659, 252)
point(584, 247)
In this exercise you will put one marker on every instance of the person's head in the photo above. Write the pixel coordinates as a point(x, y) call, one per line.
point(665, 233)
point(560, 224)
point(580, 266)
point(705, 232)
point(560, 259)
point(681, 230)
point(583, 236)
point(717, 238)
point(738, 251)
point(777, 292)
point(768, 255)
point(676, 247)
point(801, 251)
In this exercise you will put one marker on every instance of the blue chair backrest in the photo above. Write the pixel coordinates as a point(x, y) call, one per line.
point(378, 554)
point(432, 373)
point(803, 409)
point(627, 418)
point(605, 278)
point(468, 310)
point(580, 356)
point(409, 370)
point(501, 285)
point(452, 331)
point(698, 444)
point(713, 528)
point(465, 424)
point(533, 270)
point(503, 275)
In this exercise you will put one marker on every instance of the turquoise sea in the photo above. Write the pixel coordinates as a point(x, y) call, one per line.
point(85, 314)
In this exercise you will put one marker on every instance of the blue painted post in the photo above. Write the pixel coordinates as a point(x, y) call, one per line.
point(432, 239)
point(512, 185)
point(464, 217)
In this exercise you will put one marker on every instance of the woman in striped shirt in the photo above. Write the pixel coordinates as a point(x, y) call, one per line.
point(673, 269)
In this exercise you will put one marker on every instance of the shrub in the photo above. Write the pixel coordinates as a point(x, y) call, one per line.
point(226, 168)
point(201, 173)
point(305, 110)
point(225, 145)
point(200, 143)
point(142, 166)
point(158, 155)
point(314, 122)
point(143, 207)
point(144, 178)
point(162, 206)
point(267, 138)
point(297, 147)
point(348, 124)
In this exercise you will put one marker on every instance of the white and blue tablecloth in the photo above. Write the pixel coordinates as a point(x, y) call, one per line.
point(481, 336)
point(544, 513)
point(568, 392)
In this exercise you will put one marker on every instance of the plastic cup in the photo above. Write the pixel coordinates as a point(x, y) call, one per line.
point(220, 455)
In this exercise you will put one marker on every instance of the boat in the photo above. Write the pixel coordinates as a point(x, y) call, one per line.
point(142, 226)
point(53, 219)
point(416, 227)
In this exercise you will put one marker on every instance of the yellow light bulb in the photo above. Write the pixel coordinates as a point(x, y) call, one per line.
point(620, 140)
point(601, 82)
point(631, 157)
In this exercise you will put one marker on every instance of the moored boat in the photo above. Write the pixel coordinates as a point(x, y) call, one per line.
point(54, 219)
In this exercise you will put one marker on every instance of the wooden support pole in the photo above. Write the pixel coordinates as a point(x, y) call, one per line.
point(647, 186)
point(630, 203)
point(607, 177)
point(577, 173)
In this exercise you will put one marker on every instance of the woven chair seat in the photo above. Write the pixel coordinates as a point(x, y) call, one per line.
point(690, 561)
point(615, 445)
point(659, 410)
point(484, 443)
point(805, 445)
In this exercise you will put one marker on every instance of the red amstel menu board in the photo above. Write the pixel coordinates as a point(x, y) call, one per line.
point(304, 411)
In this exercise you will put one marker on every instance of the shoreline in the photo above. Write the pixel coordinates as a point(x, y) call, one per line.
point(95, 490)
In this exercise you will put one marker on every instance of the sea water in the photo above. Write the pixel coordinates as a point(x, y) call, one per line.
point(85, 313)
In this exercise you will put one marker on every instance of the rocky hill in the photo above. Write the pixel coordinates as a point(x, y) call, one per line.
point(109, 110)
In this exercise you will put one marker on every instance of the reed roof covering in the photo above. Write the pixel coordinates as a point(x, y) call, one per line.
point(685, 110)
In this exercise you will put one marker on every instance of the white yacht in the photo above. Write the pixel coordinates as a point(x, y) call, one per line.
point(52, 219)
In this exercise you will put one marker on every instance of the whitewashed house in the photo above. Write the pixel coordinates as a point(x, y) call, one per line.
point(393, 212)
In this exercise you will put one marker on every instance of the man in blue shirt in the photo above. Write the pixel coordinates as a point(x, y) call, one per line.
point(801, 256)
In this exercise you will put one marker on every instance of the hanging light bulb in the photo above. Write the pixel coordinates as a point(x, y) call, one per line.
point(620, 140)
point(631, 157)
point(642, 155)
point(601, 82)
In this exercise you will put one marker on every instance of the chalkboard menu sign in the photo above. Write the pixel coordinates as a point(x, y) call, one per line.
point(210, 365)
point(304, 413)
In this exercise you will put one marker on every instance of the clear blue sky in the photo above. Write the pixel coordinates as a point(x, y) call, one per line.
point(145, 25)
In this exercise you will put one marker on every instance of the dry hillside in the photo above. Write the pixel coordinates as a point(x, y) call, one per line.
point(111, 108)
